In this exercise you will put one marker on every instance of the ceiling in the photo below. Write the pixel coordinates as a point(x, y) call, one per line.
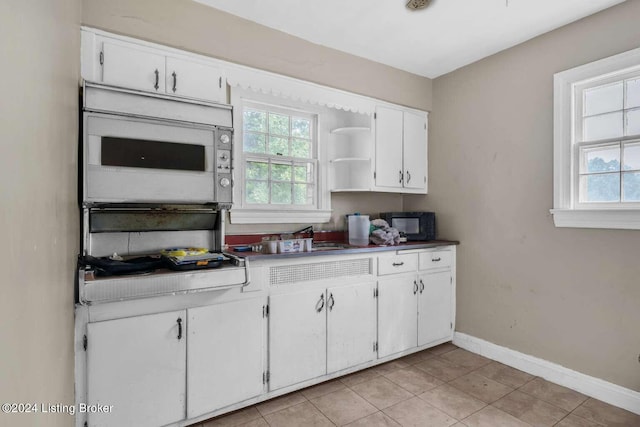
point(430, 42)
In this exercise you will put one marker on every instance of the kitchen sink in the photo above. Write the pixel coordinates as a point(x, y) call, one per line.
point(329, 246)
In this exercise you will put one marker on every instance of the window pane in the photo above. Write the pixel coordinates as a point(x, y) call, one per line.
point(278, 146)
point(600, 159)
point(280, 172)
point(600, 188)
point(257, 170)
point(302, 194)
point(302, 173)
point(602, 127)
point(254, 142)
point(301, 128)
point(633, 122)
point(603, 99)
point(278, 124)
point(632, 156)
point(281, 192)
point(255, 120)
point(633, 94)
point(631, 186)
point(301, 148)
point(257, 191)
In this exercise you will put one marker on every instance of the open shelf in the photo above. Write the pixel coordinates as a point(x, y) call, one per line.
point(351, 159)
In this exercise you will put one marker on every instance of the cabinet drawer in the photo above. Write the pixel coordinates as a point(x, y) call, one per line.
point(390, 264)
point(435, 259)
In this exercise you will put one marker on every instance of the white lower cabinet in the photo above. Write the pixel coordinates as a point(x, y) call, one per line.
point(434, 307)
point(397, 314)
point(138, 365)
point(414, 308)
point(297, 337)
point(351, 326)
point(320, 331)
point(225, 354)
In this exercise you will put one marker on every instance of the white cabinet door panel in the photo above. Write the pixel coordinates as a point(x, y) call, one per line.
point(297, 337)
point(138, 365)
point(351, 325)
point(225, 354)
point(194, 80)
point(129, 67)
point(397, 315)
point(434, 307)
point(415, 150)
point(388, 147)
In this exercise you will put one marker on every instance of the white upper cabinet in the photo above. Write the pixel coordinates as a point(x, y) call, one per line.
point(132, 67)
point(194, 79)
point(151, 68)
point(401, 150)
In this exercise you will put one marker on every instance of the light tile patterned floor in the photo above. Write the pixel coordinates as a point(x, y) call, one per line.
point(442, 386)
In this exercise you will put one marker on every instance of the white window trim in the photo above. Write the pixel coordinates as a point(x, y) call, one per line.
point(565, 212)
point(278, 214)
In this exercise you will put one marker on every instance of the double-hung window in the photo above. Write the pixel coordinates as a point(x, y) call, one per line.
point(597, 144)
point(279, 158)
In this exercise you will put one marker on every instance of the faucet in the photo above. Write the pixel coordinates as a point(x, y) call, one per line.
point(308, 229)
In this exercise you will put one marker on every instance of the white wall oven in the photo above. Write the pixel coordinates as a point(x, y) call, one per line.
point(141, 148)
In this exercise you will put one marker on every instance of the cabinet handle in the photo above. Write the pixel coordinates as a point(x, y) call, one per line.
point(415, 287)
point(398, 264)
point(435, 259)
point(421, 286)
point(157, 84)
point(321, 302)
point(332, 302)
point(179, 328)
point(175, 81)
point(401, 177)
point(408, 177)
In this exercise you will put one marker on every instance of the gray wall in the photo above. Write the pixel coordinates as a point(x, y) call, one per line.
point(39, 47)
point(571, 296)
point(194, 27)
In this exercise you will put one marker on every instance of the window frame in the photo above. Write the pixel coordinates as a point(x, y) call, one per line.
point(272, 213)
point(569, 87)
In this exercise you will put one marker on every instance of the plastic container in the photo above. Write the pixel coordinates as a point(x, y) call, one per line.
point(358, 229)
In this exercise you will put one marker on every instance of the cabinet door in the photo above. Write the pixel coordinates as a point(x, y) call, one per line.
point(194, 80)
point(297, 337)
point(389, 169)
point(133, 67)
point(397, 315)
point(415, 150)
point(225, 354)
point(434, 307)
point(138, 365)
point(351, 325)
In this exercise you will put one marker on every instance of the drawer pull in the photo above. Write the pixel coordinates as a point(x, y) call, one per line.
point(415, 287)
point(321, 303)
point(421, 286)
point(398, 264)
point(332, 302)
point(179, 328)
point(156, 86)
point(435, 259)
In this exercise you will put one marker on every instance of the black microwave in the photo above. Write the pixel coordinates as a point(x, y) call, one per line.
point(415, 225)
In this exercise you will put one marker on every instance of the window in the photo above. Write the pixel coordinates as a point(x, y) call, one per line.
point(597, 144)
point(279, 157)
point(278, 173)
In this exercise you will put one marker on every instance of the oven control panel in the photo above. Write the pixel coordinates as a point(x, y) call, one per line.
point(224, 165)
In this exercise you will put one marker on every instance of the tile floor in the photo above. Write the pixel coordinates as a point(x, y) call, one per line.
point(442, 386)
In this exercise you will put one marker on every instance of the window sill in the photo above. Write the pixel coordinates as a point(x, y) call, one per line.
point(625, 219)
point(256, 216)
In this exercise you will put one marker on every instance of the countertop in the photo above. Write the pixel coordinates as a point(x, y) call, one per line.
point(346, 251)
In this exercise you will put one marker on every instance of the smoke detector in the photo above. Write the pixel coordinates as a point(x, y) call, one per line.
point(417, 4)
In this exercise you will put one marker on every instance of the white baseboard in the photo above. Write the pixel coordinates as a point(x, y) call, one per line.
point(591, 386)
